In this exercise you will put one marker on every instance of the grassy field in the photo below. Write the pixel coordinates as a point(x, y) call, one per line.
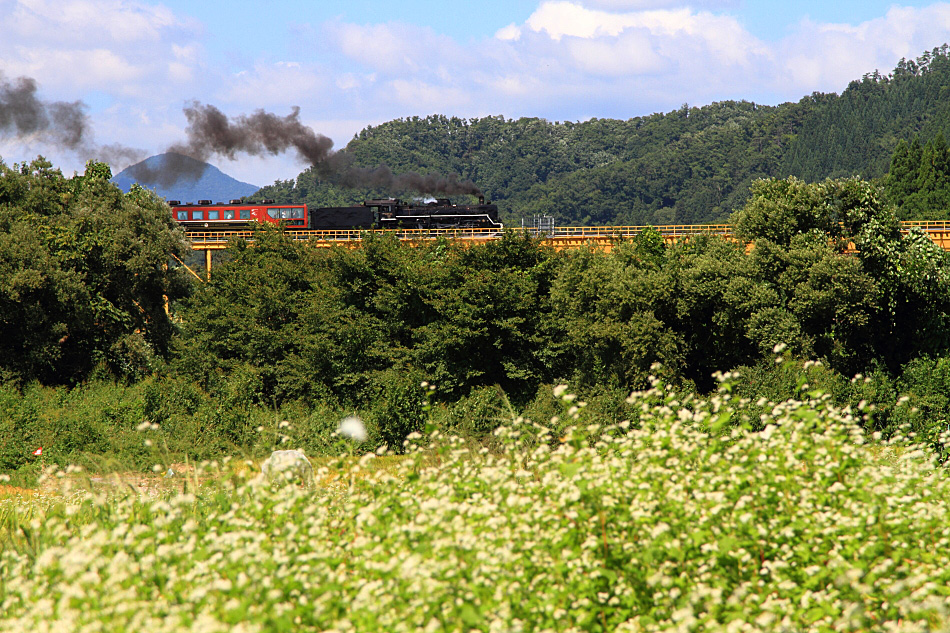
point(682, 519)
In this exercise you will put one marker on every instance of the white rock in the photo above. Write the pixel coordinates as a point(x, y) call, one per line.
point(288, 465)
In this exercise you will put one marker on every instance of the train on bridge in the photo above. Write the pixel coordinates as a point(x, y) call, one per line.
point(381, 213)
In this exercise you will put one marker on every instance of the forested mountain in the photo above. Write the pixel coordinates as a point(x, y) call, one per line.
point(856, 133)
point(691, 165)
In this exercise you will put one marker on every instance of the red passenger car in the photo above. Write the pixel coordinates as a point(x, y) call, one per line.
point(205, 216)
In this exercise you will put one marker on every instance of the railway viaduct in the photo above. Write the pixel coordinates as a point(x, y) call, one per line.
point(560, 238)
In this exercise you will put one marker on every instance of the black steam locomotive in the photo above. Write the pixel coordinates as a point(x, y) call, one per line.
point(383, 213)
point(390, 213)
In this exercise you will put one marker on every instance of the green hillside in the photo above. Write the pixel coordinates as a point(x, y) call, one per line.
point(691, 165)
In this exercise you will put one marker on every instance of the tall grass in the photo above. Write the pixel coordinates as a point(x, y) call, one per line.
point(696, 514)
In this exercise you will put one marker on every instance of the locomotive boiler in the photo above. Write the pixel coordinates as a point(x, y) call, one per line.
point(391, 213)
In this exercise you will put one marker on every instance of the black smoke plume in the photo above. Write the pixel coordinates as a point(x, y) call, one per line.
point(210, 132)
point(348, 175)
point(65, 125)
point(23, 114)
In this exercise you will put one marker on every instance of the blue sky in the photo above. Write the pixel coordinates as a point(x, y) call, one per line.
point(134, 65)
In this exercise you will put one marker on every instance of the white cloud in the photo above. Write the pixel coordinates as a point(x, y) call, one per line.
point(81, 69)
point(645, 42)
point(825, 57)
point(631, 54)
point(428, 97)
point(630, 5)
point(84, 22)
point(590, 58)
point(398, 49)
point(88, 21)
point(77, 45)
point(560, 18)
point(510, 32)
point(645, 5)
point(275, 85)
point(137, 64)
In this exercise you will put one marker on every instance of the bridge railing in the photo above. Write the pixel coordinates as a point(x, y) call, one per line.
point(348, 235)
point(219, 239)
point(222, 237)
point(927, 226)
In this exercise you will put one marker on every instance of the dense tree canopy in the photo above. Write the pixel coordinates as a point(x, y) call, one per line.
point(337, 323)
point(919, 179)
point(889, 303)
point(821, 268)
point(83, 274)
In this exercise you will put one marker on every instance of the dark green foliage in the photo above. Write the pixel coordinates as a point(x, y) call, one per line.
point(94, 425)
point(317, 323)
point(340, 326)
point(287, 331)
point(780, 209)
point(925, 382)
point(608, 318)
point(780, 377)
point(919, 179)
point(857, 133)
point(483, 317)
point(398, 407)
point(478, 414)
point(83, 275)
point(889, 302)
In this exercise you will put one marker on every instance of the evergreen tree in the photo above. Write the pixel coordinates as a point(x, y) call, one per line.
point(919, 180)
point(901, 181)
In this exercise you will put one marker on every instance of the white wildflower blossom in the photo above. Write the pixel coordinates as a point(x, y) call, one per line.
point(352, 428)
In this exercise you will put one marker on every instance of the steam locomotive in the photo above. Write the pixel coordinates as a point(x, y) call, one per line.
point(381, 213)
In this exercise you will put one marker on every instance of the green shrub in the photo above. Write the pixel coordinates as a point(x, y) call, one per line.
point(478, 414)
point(924, 406)
point(399, 407)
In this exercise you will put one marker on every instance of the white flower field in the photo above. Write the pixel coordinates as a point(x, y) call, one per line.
point(709, 515)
